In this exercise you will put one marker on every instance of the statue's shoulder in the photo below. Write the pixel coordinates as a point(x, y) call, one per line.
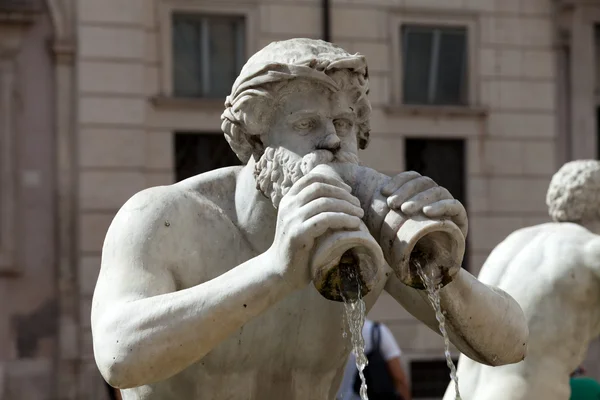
point(211, 193)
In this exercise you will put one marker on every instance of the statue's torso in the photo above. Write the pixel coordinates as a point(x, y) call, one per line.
point(294, 350)
point(542, 269)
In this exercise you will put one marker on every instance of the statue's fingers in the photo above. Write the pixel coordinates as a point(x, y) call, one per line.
point(430, 196)
point(409, 190)
point(320, 190)
point(319, 224)
point(450, 208)
point(397, 181)
point(312, 178)
point(328, 204)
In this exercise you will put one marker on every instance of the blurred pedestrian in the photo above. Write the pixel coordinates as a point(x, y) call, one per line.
point(384, 374)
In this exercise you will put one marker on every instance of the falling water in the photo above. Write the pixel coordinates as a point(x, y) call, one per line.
point(433, 294)
point(355, 317)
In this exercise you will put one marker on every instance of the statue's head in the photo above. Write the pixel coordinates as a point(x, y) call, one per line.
point(296, 104)
point(574, 193)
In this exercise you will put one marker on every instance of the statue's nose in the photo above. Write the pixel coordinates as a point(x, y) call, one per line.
point(331, 141)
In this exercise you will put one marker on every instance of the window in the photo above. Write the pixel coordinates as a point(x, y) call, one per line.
point(196, 153)
point(435, 64)
point(208, 53)
point(443, 160)
point(429, 379)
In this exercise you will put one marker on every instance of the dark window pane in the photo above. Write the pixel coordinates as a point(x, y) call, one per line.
point(187, 68)
point(443, 160)
point(435, 65)
point(208, 52)
point(417, 45)
point(429, 379)
point(451, 72)
point(196, 153)
point(225, 33)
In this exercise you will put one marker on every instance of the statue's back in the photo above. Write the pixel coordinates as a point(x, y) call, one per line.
point(542, 268)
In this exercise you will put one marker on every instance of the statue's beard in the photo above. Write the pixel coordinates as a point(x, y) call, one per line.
point(278, 169)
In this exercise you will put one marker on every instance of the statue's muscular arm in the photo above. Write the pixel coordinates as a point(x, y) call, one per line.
point(145, 330)
point(499, 339)
point(483, 322)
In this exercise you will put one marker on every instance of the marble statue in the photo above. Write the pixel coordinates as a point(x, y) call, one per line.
point(553, 272)
point(224, 286)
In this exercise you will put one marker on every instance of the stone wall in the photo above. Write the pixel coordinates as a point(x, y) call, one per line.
point(115, 148)
point(28, 298)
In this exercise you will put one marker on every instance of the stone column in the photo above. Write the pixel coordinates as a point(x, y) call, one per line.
point(583, 76)
point(62, 13)
point(69, 341)
point(7, 160)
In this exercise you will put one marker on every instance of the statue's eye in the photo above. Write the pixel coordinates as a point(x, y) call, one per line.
point(342, 125)
point(305, 124)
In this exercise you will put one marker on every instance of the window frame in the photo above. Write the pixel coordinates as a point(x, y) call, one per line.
point(168, 8)
point(468, 21)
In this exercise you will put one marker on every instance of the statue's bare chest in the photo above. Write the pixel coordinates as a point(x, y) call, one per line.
point(303, 331)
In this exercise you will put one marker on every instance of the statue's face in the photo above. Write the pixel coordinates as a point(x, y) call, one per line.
point(310, 117)
point(310, 126)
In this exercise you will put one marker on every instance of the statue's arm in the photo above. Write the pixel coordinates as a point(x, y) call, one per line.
point(483, 322)
point(591, 254)
point(144, 329)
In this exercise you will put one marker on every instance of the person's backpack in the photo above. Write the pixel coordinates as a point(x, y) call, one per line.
point(380, 385)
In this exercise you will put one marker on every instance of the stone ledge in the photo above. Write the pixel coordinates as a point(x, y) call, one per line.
point(437, 111)
point(63, 50)
point(169, 102)
point(8, 267)
point(18, 11)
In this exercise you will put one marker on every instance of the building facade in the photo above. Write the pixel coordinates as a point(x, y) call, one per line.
point(36, 74)
point(104, 98)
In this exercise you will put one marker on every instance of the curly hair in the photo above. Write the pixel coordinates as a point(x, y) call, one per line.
point(574, 192)
point(249, 106)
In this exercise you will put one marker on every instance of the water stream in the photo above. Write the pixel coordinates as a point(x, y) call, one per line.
point(355, 318)
point(433, 294)
point(355, 313)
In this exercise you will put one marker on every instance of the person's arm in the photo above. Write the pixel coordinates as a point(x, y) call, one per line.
point(144, 328)
point(391, 353)
point(483, 322)
point(400, 380)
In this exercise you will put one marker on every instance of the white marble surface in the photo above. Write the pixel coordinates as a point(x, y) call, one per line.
point(205, 286)
point(553, 272)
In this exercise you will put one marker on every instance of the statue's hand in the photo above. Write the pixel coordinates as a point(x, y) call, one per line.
point(315, 204)
point(411, 193)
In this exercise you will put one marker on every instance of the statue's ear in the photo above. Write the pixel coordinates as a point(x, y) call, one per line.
point(256, 115)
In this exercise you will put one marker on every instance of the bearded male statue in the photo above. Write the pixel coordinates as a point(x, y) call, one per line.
point(205, 286)
point(553, 271)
